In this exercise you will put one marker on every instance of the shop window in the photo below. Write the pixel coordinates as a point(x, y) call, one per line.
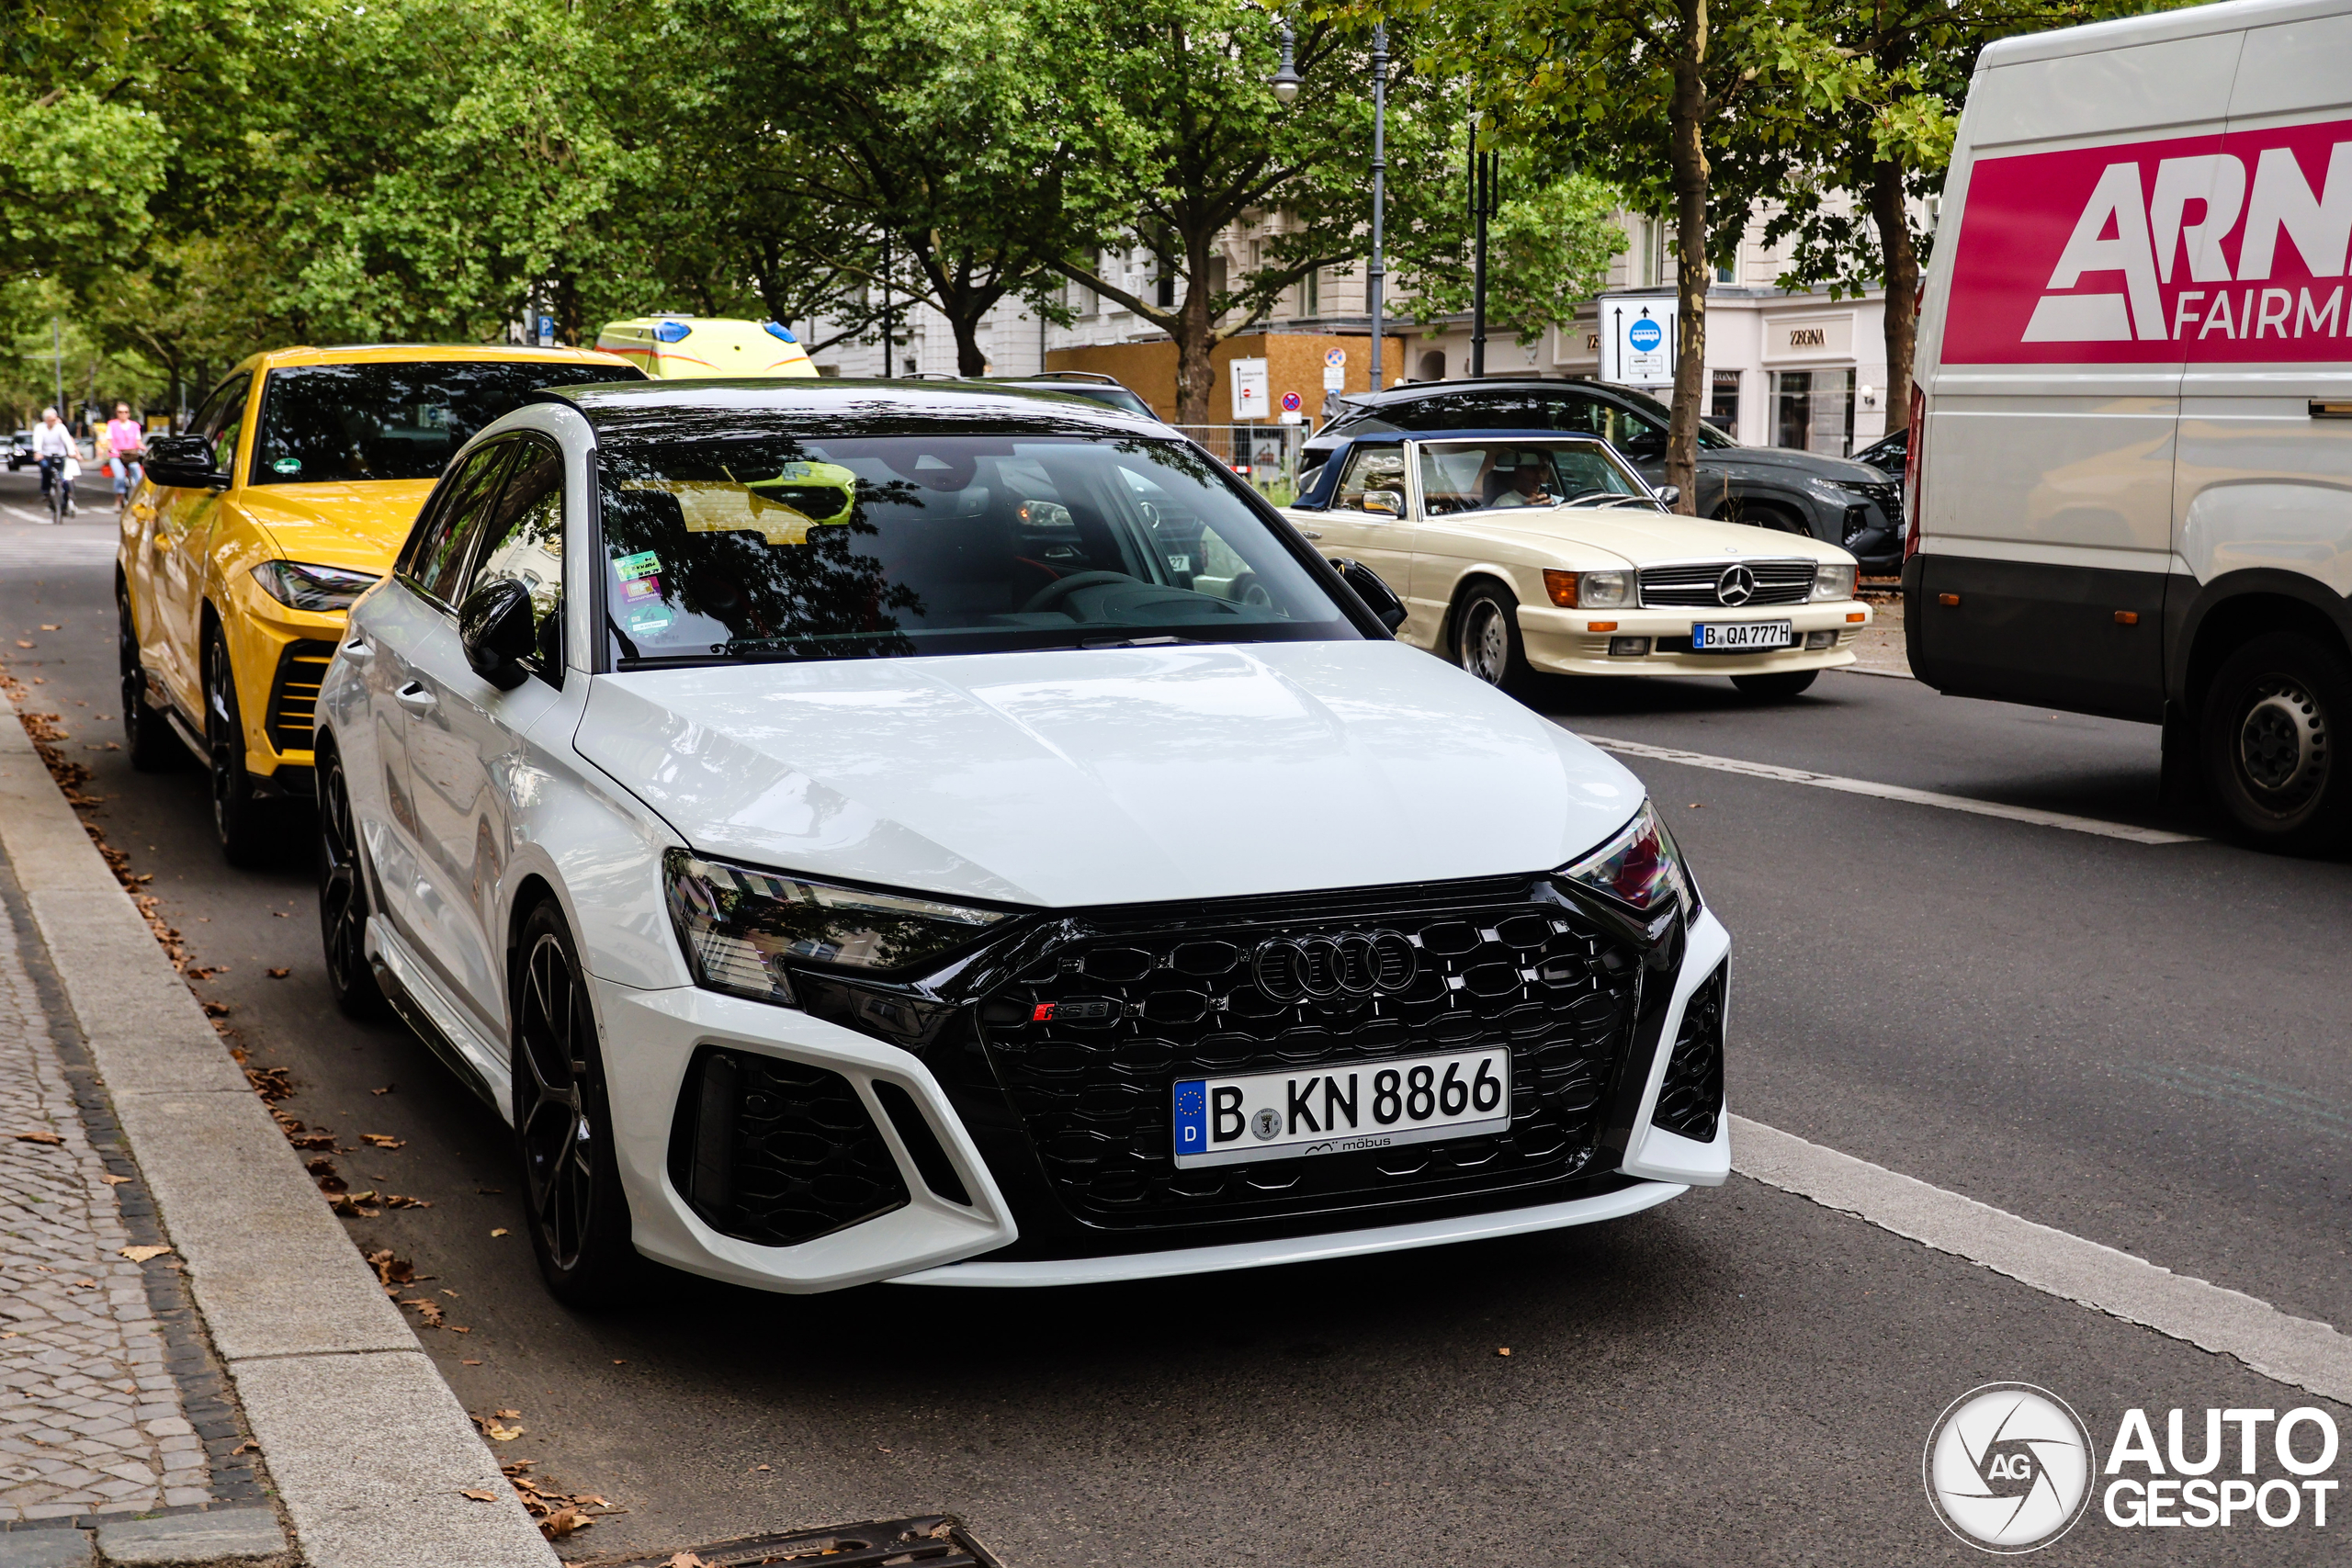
point(1813, 410)
point(1722, 402)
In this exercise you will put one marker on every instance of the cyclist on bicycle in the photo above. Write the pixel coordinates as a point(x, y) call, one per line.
point(52, 443)
point(126, 443)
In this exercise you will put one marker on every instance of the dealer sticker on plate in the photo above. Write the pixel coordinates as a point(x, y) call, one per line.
point(1739, 636)
point(1333, 1110)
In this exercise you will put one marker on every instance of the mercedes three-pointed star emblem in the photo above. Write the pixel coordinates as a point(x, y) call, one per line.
point(1736, 587)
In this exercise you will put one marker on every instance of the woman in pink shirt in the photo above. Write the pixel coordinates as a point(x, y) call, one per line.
point(125, 442)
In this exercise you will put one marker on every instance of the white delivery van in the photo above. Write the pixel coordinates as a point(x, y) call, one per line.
point(2132, 449)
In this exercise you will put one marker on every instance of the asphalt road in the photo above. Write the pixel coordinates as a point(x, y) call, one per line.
point(2141, 1044)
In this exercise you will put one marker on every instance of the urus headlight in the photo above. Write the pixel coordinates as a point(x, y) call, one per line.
point(1639, 866)
point(315, 588)
point(741, 928)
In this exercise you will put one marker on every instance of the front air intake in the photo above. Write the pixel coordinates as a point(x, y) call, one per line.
point(1691, 1098)
point(775, 1152)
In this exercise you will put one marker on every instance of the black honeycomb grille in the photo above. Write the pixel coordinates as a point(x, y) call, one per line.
point(776, 1152)
point(1690, 1096)
point(294, 693)
point(1137, 1005)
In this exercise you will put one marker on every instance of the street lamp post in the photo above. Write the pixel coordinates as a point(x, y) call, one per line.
point(1485, 174)
point(1285, 84)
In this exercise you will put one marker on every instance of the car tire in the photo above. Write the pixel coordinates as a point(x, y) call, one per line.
point(242, 819)
point(343, 897)
point(1778, 687)
point(147, 737)
point(1487, 641)
point(1762, 515)
point(563, 1127)
point(2274, 717)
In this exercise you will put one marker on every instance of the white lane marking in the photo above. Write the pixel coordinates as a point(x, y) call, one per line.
point(40, 518)
point(1896, 792)
point(2292, 1350)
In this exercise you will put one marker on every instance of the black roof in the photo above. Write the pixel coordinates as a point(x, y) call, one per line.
point(668, 408)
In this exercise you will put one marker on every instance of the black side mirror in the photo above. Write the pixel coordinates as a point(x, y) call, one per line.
point(1385, 607)
point(185, 461)
point(496, 630)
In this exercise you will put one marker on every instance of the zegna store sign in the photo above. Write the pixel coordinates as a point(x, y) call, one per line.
point(1812, 337)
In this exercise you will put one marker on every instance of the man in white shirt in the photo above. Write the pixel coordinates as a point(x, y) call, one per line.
point(52, 443)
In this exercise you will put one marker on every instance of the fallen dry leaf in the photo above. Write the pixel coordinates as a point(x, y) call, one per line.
point(1502, 1349)
point(114, 1181)
point(47, 628)
point(383, 1140)
point(22, 643)
point(500, 1231)
point(280, 974)
point(469, 1363)
point(428, 1312)
point(479, 1496)
point(497, 1433)
point(401, 1200)
point(52, 1139)
point(508, 1415)
point(563, 1522)
point(86, 1284)
point(141, 1254)
point(685, 1560)
point(386, 1089)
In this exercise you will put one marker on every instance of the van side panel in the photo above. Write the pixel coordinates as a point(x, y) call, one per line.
point(2263, 483)
point(2053, 395)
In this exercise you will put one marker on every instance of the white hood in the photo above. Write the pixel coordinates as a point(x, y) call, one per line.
point(1081, 777)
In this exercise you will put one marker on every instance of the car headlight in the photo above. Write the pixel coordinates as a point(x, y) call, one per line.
point(741, 928)
point(315, 588)
point(1590, 590)
point(1834, 581)
point(1639, 866)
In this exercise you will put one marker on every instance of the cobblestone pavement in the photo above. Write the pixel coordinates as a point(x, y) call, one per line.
point(98, 1357)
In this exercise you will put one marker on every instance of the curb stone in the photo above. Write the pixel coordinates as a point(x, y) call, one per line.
point(230, 1535)
point(368, 1446)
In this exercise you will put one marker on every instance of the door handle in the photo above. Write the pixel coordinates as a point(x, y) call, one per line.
point(357, 651)
point(416, 697)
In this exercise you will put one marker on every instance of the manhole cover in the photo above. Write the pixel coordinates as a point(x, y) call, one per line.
point(936, 1541)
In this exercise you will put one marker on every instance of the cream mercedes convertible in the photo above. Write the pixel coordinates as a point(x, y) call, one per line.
point(1515, 553)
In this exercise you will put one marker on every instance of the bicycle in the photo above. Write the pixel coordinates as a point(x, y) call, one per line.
point(61, 494)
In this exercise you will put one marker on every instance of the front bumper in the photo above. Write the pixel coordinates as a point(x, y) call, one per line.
point(1003, 1212)
point(1580, 642)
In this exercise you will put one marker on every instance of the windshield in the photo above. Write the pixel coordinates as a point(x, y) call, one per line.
point(760, 546)
point(392, 421)
point(1480, 476)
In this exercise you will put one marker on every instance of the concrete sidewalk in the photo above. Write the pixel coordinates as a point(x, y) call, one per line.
point(142, 1383)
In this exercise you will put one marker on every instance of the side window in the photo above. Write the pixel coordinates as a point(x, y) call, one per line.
point(225, 425)
point(1372, 469)
point(1580, 416)
point(437, 556)
point(1634, 434)
point(524, 543)
point(207, 419)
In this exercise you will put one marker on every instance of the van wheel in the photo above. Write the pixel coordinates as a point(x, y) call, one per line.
point(147, 734)
point(1777, 687)
point(2274, 718)
point(563, 1122)
point(241, 818)
point(1485, 637)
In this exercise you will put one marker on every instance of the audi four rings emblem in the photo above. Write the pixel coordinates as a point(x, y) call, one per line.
point(1351, 964)
point(1736, 586)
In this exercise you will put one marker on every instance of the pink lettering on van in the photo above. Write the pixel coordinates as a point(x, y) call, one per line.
point(2207, 247)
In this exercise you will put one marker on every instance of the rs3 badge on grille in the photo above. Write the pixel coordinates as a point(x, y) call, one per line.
point(1346, 1106)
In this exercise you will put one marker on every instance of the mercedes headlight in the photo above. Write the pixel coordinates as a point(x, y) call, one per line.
point(1590, 590)
point(1638, 866)
point(743, 929)
point(314, 588)
point(1834, 581)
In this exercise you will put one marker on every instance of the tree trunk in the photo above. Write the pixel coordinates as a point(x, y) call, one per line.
point(568, 322)
point(1688, 162)
point(1900, 259)
point(1195, 335)
point(970, 360)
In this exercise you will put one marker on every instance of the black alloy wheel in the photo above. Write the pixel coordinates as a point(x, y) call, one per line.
point(147, 734)
point(1779, 686)
point(343, 897)
point(579, 1219)
point(1485, 637)
point(239, 816)
point(2274, 721)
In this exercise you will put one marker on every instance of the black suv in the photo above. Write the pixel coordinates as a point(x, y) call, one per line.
point(1771, 487)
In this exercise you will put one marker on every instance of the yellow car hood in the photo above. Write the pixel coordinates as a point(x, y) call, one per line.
point(358, 526)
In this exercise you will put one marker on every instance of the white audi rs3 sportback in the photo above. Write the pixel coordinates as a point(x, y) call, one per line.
point(922, 832)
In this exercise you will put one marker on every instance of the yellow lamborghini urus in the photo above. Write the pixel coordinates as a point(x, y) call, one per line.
point(284, 500)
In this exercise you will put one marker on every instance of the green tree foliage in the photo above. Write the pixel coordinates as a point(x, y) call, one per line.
point(1687, 105)
point(1851, 193)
